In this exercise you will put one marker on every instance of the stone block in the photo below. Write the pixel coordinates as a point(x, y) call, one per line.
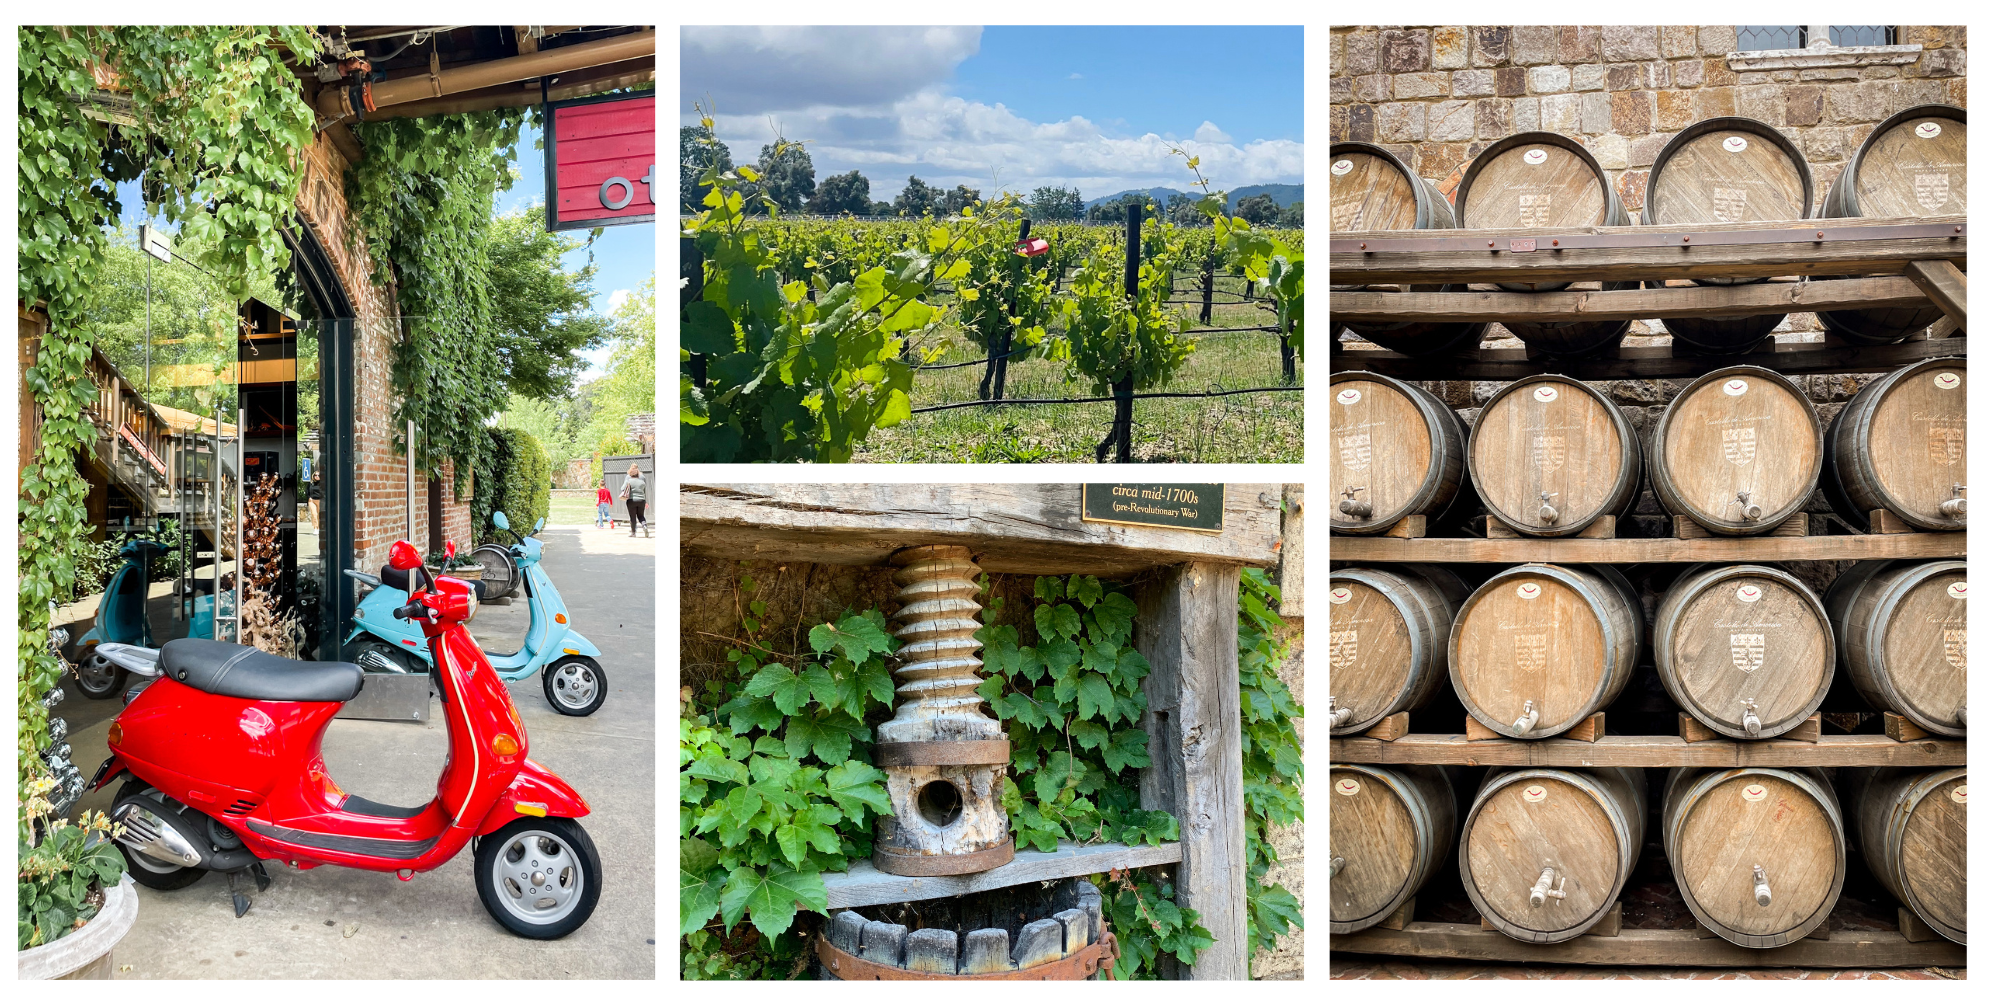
point(1764, 104)
point(1712, 101)
point(1715, 73)
point(1588, 77)
point(1658, 75)
point(1867, 101)
point(1436, 160)
point(1784, 76)
point(1340, 90)
point(1362, 123)
point(1953, 91)
point(1406, 51)
point(1803, 106)
point(1596, 113)
point(1562, 113)
point(1450, 120)
point(1830, 73)
point(1624, 77)
point(1717, 39)
point(1676, 109)
point(1372, 87)
point(1472, 83)
point(1535, 44)
point(1639, 391)
point(1421, 85)
point(931, 950)
point(1611, 151)
point(1631, 190)
point(1880, 72)
point(1337, 123)
point(1527, 113)
point(1548, 79)
point(1337, 55)
point(1483, 390)
point(1398, 122)
point(1363, 53)
point(1510, 81)
point(1630, 41)
point(1491, 45)
point(1631, 112)
point(986, 951)
point(1678, 40)
point(1919, 92)
point(1748, 77)
point(1941, 63)
point(1645, 149)
point(1448, 47)
point(1688, 73)
point(1577, 43)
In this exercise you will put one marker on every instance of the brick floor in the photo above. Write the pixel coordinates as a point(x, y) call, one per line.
point(1405, 969)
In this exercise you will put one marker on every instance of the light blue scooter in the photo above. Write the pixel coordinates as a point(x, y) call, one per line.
point(573, 680)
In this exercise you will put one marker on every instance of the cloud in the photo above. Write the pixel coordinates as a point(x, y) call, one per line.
point(1076, 76)
point(617, 299)
point(1209, 133)
point(756, 70)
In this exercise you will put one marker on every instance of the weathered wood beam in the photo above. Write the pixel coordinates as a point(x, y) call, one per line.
point(1632, 304)
point(1015, 528)
point(1944, 284)
point(1647, 362)
point(1632, 947)
point(864, 885)
point(1630, 551)
point(1650, 751)
point(1187, 630)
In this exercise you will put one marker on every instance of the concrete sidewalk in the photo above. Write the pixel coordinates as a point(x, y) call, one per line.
point(335, 923)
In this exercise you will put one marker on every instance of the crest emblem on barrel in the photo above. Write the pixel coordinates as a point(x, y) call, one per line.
point(1746, 651)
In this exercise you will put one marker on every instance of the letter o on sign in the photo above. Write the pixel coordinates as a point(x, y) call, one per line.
point(628, 193)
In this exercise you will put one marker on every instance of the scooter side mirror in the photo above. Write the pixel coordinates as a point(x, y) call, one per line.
point(541, 525)
point(449, 550)
point(498, 520)
point(404, 556)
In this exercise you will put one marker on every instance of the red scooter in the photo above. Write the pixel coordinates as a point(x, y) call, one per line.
point(223, 749)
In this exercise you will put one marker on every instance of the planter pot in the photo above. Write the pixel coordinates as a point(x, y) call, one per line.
point(467, 572)
point(85, 954)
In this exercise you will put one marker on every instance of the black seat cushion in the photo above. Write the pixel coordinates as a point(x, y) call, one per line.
point(240, 671)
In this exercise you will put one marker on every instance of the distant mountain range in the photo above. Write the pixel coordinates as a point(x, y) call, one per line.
point(1284, 195)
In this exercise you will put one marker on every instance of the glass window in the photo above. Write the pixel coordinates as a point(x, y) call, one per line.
point(1862, 34)
point(1757, 37)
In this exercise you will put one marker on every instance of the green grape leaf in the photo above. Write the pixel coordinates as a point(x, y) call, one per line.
point(1095, 698)
point(1057, 621)
point(784, 688)
point(854, 786)
point(1129, 748)
point(771, 897)
point(1114, 614)
point(1086, 590)
point(1089, 735)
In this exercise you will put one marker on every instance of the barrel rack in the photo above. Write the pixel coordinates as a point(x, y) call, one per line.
point(1900, 262)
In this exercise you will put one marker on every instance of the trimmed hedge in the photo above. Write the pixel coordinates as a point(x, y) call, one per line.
point(514, 475)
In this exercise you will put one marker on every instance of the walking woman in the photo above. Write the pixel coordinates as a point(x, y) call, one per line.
point(633, 493)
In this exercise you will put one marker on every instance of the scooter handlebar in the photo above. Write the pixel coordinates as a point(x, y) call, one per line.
point(414, 612)
point(357, 575)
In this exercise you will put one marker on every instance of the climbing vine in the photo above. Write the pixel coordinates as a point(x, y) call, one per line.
point(213, 120)
point(1271, 756)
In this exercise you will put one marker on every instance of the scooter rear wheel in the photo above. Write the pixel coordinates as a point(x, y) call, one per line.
point(144, 870)
point(575, 685)
point(539, 877)
point(98, 677)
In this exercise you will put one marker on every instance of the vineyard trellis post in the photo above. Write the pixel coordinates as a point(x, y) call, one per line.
point(999, 356)
point(1123, 388)
point(1209, 281)
point(691, 270)
point(1288, 375)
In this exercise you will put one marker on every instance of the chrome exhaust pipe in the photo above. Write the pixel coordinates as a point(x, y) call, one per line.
point(147, 833)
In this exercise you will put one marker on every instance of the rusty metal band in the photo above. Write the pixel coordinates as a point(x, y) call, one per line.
point(1080, 965)
point(1645, 237)
point(924, 865)
point(941, 754)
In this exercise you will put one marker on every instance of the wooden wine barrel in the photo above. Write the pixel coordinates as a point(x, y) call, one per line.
point(1388, 830)
point(1912, 164)
point(1542, 179)
point(1555, 641)
point(1737, 642)
point(1902, 638)
point(1899, 445)
point(1545, 852)
point(1736, 432)
point(1911, 827)
point(1726, 170)
point(1370, 188)
point(1551, 434)
point(1722, 825)
point(1400, 450)
point(1387, 632)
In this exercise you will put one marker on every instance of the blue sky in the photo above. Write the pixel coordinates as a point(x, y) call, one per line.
point(1095, 107)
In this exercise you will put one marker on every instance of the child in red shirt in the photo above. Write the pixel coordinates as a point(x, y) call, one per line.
point(603, 502)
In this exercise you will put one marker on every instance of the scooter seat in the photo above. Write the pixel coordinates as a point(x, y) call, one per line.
point(218, 667)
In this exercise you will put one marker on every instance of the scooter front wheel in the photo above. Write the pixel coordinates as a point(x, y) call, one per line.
point(539, 877)
point(575, 685)
point(98, 677)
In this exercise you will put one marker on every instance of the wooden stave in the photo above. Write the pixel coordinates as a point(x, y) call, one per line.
point(1446, 489)
point(1881, 801)
point(1663, 489)
point(1682, 782)
point(1857, 641)
point(1426, 791)
point(1620, 791)
point(1692, 582)
point(1414, 338)
point(1428, 599)
point(1624, 637)
point(1887, 325)
point(1855, 500)
point(1624, 490)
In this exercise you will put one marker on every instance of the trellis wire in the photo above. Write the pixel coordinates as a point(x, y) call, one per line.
point(1097, 400)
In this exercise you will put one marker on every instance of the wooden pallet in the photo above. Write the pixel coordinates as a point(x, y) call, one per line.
point(1633, 947)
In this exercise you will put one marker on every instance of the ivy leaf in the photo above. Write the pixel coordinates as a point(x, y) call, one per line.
point(1086, 590)
point(1059, 769)
point(707, 329)
point(1056, 621)
point(1089, 736)
point(1115, 616)
point(1131, 668)
point(700, 882)
point(1095, 697)
point(808, 828)
point(828, 736)
point(771, 897)
point(749, 713)
point(1060, 656)
point(857, 636)
point(1129, 748)
point(775, 682)
point(718, 768)
point(854, 786)
point(874, 679)
point(999, 651)
point(1050, 588)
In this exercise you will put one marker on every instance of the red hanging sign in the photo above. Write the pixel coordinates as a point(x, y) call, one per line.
point(601, 161)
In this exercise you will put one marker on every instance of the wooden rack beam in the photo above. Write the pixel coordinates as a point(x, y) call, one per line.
point(1632, 551)
point(1842, 950)
point(1629, 304)
point(1643, 362)
point(1649, 751)
point(864, 885)
point(1944, 284)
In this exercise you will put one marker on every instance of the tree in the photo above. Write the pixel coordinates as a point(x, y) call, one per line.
point(1182, 211)
point(917, 198)
point(1293, 216)
point(842, 193)
point(1258, 210)
point(788, 176)
point(881, 209)
point(1074, 204)
point(541, 313)
point(697, 149)
point(1115, 211)
point(1056, 203)
point(960, 198)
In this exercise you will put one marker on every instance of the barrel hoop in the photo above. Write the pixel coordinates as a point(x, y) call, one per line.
point(1628, 473)
point(1627, 854)
point(1699, 788)
point(1662, 477)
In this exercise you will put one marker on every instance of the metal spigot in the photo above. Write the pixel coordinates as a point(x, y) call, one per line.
point(1529, 716)
point(1954, 507)
point(1547, 511)
point(1335, 864)
point(1751, 724)
point(1540, 892)
point(1354, 507)
point(1337, 717)
point(1750, 511)
point(1762, 887)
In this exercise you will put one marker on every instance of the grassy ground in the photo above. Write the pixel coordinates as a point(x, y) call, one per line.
point(1245, 428)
